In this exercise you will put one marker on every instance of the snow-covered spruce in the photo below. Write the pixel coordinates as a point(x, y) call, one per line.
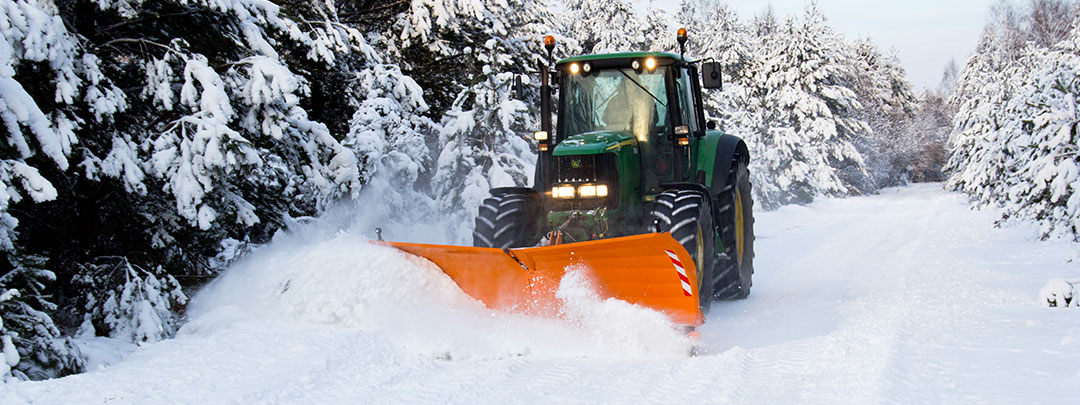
point(485, 133)
point(606, 25)
point(140, 308)
point(794, 105)
point(1013, 143)
point(152, 142)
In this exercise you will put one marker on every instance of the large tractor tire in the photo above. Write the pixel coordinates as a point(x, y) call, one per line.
point(735, 270)
point(507, 220)
point(688, 216)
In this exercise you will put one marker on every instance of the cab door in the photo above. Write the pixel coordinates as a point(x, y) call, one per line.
point(689, 113)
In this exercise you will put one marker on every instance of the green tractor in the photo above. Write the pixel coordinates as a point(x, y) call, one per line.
point(632, 153)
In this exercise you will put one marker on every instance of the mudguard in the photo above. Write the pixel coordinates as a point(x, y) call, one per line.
point(726, 149)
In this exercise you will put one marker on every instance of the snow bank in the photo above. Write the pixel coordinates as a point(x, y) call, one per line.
point(318, 278)
point(1059, 292)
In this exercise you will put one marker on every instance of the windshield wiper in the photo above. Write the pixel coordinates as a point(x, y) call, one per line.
point(643, 88)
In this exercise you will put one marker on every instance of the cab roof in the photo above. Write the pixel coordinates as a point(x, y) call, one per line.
point(621, 55)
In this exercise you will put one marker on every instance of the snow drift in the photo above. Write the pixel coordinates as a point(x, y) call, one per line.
point(315, 277)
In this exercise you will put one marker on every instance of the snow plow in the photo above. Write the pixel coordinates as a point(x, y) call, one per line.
point(651, 270)
point(634, 184)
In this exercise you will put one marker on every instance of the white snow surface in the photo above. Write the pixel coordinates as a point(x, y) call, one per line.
point(906, 297)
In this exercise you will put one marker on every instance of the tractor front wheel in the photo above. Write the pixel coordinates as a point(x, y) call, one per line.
point(507, 220)
point(688, 216)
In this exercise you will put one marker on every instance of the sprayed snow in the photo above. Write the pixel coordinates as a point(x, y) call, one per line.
point(344, 281)
point(616, 323)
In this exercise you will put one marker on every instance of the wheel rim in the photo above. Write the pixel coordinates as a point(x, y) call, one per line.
point(739, 226)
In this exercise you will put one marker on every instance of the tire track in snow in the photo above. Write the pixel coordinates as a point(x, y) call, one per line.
point(852, 355)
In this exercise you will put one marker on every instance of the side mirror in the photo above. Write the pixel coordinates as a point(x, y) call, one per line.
point(710, 76)
point(711, 125)
point(519, 88)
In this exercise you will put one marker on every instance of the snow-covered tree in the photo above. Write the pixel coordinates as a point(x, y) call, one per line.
point(155, 130)
point(802, 113)
point(32, 345)
point(389, 132)
point(602, 26)
point(138, 306)
point(888, 106)
point(1049, 21)
point(1013, 143)
point(486, 135)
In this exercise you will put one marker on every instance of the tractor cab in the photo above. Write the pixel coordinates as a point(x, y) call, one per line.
point(642, 104)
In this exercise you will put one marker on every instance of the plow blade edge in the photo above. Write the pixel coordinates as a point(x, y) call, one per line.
point(651, 270)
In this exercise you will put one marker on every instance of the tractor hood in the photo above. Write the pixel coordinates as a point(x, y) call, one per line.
point(592, 143)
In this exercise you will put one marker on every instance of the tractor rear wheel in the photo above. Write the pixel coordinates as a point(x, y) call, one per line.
point(688, 216)
point(507, 220)
point(735, 271)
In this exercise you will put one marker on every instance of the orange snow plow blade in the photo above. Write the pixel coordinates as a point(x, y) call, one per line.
point(639, 269)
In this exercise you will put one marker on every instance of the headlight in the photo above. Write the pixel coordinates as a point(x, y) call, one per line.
point(592, 190)
point(574, 68)
point(540, 135)
point(587, 190)
point(565, 191)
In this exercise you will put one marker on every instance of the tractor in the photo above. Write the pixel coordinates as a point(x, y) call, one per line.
point(632, 153)
point(630, 163)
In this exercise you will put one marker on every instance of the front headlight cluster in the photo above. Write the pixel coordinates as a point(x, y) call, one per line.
point(583, 191)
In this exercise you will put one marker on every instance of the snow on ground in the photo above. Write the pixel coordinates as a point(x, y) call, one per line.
point(902, 297)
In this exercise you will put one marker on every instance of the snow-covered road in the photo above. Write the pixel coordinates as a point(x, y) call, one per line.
point(904, 297)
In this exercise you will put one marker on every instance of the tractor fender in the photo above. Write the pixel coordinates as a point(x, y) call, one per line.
point(515, 190)
point(726, 149)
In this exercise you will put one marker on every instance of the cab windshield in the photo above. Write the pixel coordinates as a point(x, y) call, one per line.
point(616, 100)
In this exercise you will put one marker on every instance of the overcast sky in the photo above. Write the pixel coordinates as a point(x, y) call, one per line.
point(925, 33)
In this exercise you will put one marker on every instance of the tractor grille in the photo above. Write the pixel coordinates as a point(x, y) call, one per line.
point(587, 168)
point(578, 170)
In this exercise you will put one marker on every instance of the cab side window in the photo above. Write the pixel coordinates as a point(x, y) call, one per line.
point(687, 105)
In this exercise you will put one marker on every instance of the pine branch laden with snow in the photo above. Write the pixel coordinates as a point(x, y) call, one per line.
point(34, 37)
point(36, 44)
point(33, 347)
point(429, 22)
point(140, 308)
point(231, 119)
point(1014, 143)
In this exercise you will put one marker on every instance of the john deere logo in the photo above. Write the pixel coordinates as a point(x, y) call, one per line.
point(576, 163)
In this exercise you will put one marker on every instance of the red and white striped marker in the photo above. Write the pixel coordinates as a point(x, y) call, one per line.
point(682, 273)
